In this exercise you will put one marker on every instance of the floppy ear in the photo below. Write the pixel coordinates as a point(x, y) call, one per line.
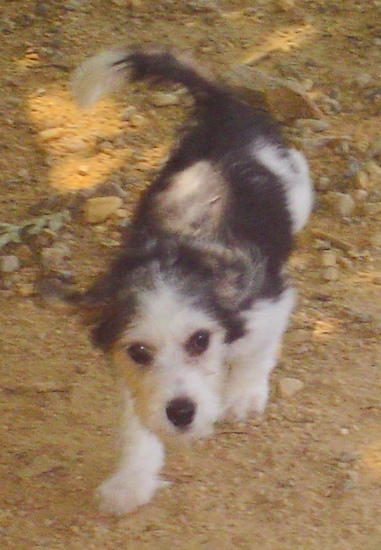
point(237, 274)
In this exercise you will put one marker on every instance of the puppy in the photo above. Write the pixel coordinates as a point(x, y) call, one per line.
point(193, 309)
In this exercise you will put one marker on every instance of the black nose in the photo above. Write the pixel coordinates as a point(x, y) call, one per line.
point(181, 412)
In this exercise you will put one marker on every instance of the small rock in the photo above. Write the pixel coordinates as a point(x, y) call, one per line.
point(289, 386)
point(26, 289)
point(23, 174)
point(323, 183)
point(128, 113)
point(98, 209)
point(375, 149)
point(52, 133)
point(10, 264)
point(83, 170)
point(373, 209)
point(330, 105)
point(111, 189)
point(345, 205)
point(374, 172)
point(74, 145)
point(328, 258)
point(377, 281)
point(375, 240)
point(313, 124)
point(137, 120)
point(285, 5)
point(331, 273)
point(55, 256)
point(161, 99)
point(363, 80)
point(121, 213)
point(360, 195)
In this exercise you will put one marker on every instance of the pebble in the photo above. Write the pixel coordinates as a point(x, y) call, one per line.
point(375, 149)
point(323, 183)
point(289, 386)
point(160, 99)
point(360, 195)
point(328, 258)
point(313, 124)
point(55, 256)
point(374, 172)
point(345, 204)
point(110, 188)
point(83, 170)
point(363, 80)
point(375, 239)
point(74, 145)
point(362, 179)
point(128, 113)
point(285, 5)
point(51, 133)
point(331, 273)
point(137, 120)
point(98, 209)
point(10, 263)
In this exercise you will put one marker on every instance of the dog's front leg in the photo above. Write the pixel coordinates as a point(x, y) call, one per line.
point(137, 475)
point(254, 356)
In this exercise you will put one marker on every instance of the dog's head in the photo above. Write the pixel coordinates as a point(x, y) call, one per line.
point(166, 312)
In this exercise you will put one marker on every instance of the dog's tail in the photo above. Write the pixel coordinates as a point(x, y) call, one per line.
point(107, 71)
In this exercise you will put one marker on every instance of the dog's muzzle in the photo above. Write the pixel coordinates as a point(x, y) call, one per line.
point(181, 412)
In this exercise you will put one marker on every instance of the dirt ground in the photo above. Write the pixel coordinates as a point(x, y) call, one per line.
point(307, 475)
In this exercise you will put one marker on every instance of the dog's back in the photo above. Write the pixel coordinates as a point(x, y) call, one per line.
point(219, 181)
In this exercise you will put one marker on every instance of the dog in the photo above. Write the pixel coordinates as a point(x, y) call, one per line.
point(193, 309)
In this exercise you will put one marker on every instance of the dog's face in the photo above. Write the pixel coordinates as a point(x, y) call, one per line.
point(171, 357)
point(166, 313)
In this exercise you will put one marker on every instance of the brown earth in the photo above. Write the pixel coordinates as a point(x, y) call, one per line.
point(306, 476)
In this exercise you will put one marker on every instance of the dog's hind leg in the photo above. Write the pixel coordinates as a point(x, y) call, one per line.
point(137, 476)
point(254, 356)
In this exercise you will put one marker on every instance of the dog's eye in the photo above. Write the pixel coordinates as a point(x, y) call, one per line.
point(198, 343)
point(140, 354)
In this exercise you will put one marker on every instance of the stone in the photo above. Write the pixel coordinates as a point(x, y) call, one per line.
point(285, 5)
point(289, 386)
point(375, 239)
point(331, 273)
point(55, 256)
point(345, 204)
point(161, 99)
point(99, 209)
point(323, 183)
point(52, 133)
point(10, 263)
point(313, 124)
point(83, 170)
point(128, 113)
point(328, 258)
point(137, 120)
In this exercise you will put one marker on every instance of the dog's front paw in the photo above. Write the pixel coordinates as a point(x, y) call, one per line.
point(122, 493)
point(246, 402)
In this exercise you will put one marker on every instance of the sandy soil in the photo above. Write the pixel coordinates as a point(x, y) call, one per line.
point(307, 475)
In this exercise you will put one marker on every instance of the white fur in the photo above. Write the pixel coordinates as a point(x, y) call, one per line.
point(291, 167)
point(98, 77)
point(165, 322)
point(252, 358)
point(136, 478)
point(227, 380)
